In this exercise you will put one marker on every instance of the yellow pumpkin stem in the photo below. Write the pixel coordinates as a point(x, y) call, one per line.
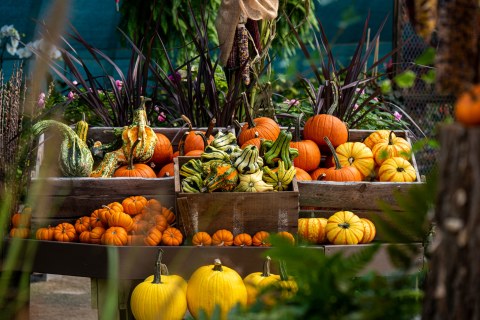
point(157, 274)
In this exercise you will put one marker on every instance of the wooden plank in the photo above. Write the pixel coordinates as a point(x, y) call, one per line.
point(381, 262)
point(236, 211)
point(88, 260)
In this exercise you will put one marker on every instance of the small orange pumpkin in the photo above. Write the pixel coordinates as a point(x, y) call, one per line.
point(260, 239)
point(65, 232)
point(134, 239)
point(302, 175)
point(167, 213)
point(95, 219)
point(107, 211)
point(152, 208)
point(324, 125)
point(153, 237)
point(45, 233)
point(21, 220)
point(139, 224)
point(82, 224)
point(261, 127)
point(467, 106)
point(133, 205)
point(22, 233)
point(167, 171)
point(172, 237)
point(201, 238)
point(163, 150)
point(96, 235)
point(222, 237)
point(160, 222)
point(287, 236)
point(121, 219)
point(115, 236)
point(242, 239)
point(134, 170)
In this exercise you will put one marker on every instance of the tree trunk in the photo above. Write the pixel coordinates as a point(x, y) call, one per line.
point(453, 280)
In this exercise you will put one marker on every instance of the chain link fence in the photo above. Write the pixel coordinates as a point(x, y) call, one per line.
point(426, 107)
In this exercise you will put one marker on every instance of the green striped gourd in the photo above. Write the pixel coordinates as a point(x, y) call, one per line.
point(248, 161)
point(75, 158)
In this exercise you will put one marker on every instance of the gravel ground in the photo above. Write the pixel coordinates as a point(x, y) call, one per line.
point(61, 297)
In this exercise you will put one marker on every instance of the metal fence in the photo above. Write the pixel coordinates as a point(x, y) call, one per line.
point(426, 107)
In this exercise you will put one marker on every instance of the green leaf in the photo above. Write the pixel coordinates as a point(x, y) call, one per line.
point(427, 57)
point(429, 77)
point(405, 79)
point(386, 86)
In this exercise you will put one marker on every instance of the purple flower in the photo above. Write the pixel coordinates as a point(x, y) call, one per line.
point(41, 96)
point(41, 100)
point(176, 77)
point(119, 84)
point(75, 82)
point(293, 102)
point(156, 108)
point(397, 116)
point(70, 96)
point(162, 117)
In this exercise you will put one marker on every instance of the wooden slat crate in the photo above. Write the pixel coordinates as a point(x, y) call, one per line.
point(236, 211)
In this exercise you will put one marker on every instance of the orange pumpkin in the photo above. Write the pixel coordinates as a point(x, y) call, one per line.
point(163, 152)
point(21, 220)
point(377, 136)
point(169, 215)
point(160, 222)
point(167, 171)
point(96, 219)
point(201, 238)
point(139, 224)
point(108, 210)
point(242, 239)
point(82, 224)
point(115, 236)
point(134, 170)
point(194, 140)
point(152, 208)
point(121, 219)
point(45, 233)
point(287, 236)
point(96, 235)
point(324, 125)
point(260, 239)
point(467, 106)
point(133, 205)
point(153, 237)
point(309, 155)
point(65, 232)
point(135, 240)
point(194, 153)
point(302, 175)
point(255, 142)
point(222, 237)
point(172, 237)
point(84, 237)
point(261, 127)
point(22, 233)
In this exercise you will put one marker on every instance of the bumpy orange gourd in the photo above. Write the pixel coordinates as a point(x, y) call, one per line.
point(201, 238)
point(344, 227)
point(215, 285)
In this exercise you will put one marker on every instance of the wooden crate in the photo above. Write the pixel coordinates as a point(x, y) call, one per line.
point(236, 211)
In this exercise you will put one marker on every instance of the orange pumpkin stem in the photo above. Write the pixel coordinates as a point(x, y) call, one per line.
point(334, 153)
point(157, 274)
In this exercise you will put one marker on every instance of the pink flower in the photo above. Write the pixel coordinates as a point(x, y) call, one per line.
point(75, 82)
point(293, 102)
point(162, 117)
point(176, 77)
point(119, 84)
point(41, 96)
point(356, 106)
point(70, 96)
point(397, 116)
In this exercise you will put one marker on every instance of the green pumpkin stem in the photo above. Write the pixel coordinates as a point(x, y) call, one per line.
point(334, 153)
point(157, 274)
point(266, 267)
point(217, 265)
point(283, 270)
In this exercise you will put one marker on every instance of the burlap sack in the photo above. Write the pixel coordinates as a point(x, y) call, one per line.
point(229, 16)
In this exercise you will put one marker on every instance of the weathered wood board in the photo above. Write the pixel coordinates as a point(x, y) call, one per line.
point(236, 211)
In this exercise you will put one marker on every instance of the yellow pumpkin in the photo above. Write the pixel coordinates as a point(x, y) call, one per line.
point(377, 136)
point(391, 147)
point(159, 296)
point(369, 232)
point(397, 169)
point(312, 230)
point(258, 280)
point(282, 289)
point(358, 155)
point(215, 286)
point(344, 227)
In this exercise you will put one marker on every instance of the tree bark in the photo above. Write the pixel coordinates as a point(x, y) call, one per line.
point(453, 279)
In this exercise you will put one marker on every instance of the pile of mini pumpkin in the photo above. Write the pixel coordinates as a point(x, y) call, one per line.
point(341, 228)
point(210, 289)
point(382, 156)
point(20, 223)
point(134, 221)
point(225, 237)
